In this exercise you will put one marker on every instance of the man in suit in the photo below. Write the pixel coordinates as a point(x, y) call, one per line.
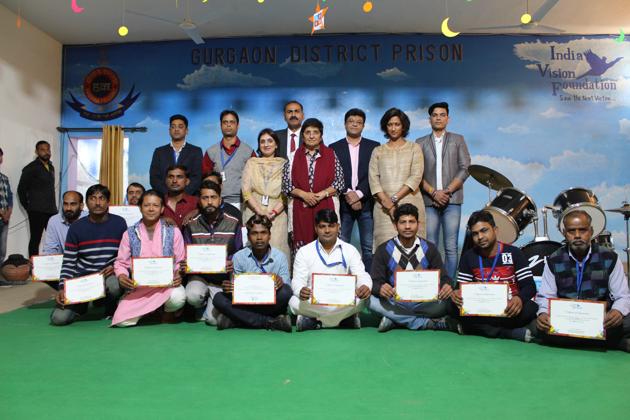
point(446, 161)
point(290, 136)
point(178, 152)
point(354, 153)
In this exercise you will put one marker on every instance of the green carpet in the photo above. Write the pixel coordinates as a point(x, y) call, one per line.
point(87, 370)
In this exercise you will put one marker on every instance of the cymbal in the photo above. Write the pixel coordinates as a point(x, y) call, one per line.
point(489, 177)
point(625, 210)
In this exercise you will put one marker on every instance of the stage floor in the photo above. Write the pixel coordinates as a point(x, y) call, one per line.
point(187, 370)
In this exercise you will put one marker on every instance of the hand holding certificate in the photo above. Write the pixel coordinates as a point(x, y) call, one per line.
point(577, 318)
point(417, 286)
point(46, 267)
point(205, 259)
point(254, 289)
point(334, 289)
point(84, 289)
point(484, 299)
point(152, 272)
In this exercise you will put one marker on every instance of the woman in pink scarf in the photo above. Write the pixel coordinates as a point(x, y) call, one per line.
point(150, 237)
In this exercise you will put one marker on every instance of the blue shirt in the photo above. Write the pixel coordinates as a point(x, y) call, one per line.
point(276, 263)
point(56, 233)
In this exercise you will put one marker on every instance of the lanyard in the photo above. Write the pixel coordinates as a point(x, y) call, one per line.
point(580, 273)
point(224, 163)
point(342, 262)
point(494, 264)
point(261, 266)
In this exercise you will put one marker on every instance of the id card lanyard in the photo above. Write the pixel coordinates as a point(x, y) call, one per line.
point(494, 264)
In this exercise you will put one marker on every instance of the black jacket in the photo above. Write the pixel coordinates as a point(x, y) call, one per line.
point(36, 189)
point(163, 157)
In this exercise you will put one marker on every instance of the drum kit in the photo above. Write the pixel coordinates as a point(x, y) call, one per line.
point(513, 210)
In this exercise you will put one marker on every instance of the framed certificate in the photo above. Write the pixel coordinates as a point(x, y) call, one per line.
point(84, 289)
point(417, 286)
point(152, 272)
point(205, 259)
point(254, 289)
point(484, 299)
point(333, 289)
point(46, 267)
point(577, 318)
point(131, 214)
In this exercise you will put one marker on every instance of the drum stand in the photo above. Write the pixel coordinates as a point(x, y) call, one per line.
point(626, 217)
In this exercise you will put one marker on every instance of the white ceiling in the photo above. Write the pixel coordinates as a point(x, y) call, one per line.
point(226, 18)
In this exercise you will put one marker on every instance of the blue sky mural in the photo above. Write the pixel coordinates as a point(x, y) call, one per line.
point(550, 113)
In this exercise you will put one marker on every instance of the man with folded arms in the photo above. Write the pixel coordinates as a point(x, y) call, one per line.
point(211, 227)
point(407, 251)
point(494, 261)
point(258, 257)
point(58, 225)
point(586, 271)
point(91, 247)
point(327, 255)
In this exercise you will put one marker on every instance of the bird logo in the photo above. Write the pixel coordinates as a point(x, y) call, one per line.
point(598, 65)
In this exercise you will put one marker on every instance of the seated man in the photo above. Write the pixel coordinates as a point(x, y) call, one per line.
point(134, 192)
point(258, 257)
point(216, 177)
point(491, 260)
point(178, 202)
point(327, 254)
point(91, 247)
point(585, 270)
point(211, 227)
point(407, 251)
point(58, 226)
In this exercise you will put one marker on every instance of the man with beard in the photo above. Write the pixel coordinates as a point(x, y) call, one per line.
point(36, 191)
point(178, 202)
point(177, 152)
point(58, 225)
point(258, 257)
point(91, 247)
point(134, 192)
point(491, 260)
point(211, 227)
point(586, 271)
point(290, 136)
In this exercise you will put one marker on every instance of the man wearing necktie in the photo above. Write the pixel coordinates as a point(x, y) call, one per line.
point(290, 136)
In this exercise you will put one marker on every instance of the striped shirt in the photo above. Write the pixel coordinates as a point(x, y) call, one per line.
point(511, 267)
point(90, 247)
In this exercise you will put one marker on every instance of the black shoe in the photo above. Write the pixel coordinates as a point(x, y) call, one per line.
point(280, 323)
point(223, 322)
point(305, 323)
point(352, 322)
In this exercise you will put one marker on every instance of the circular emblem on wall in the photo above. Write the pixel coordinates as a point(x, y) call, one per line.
point(101, 85)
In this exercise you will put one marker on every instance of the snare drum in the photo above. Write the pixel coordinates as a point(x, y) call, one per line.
point(512, 210)
point(580, 199)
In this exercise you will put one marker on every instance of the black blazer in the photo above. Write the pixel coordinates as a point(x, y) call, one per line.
point(283, 150)
point(366, 148)
point(36, 189)
point(163, 157)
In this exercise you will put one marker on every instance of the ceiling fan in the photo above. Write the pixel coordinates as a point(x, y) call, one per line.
point(534, 22)
point(187, 25)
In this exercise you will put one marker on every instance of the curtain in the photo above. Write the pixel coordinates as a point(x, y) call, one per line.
point(112, 162)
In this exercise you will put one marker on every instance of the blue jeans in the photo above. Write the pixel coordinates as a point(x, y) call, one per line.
point(4, 232)
point(366, 230)
point(414, 316)
point(448, 218)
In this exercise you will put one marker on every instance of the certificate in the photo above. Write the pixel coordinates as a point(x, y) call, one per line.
point(333, 289)
point(205, 259)
point(84, 289)
point(484, 299)
point(577, 318)
point(417, 286)
point(254, 289)
point(131, 214)
point(152, 272)
point(46, 267)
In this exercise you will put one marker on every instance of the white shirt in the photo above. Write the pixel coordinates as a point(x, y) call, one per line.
point(290, 154)
point(307, 262)
point(177, 152)
point(438, 160)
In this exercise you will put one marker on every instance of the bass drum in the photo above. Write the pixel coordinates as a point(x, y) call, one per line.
point(536, 254)
point(512, 210)
point(580, 199)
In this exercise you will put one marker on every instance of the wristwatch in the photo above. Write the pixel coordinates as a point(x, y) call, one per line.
point(394, 199)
